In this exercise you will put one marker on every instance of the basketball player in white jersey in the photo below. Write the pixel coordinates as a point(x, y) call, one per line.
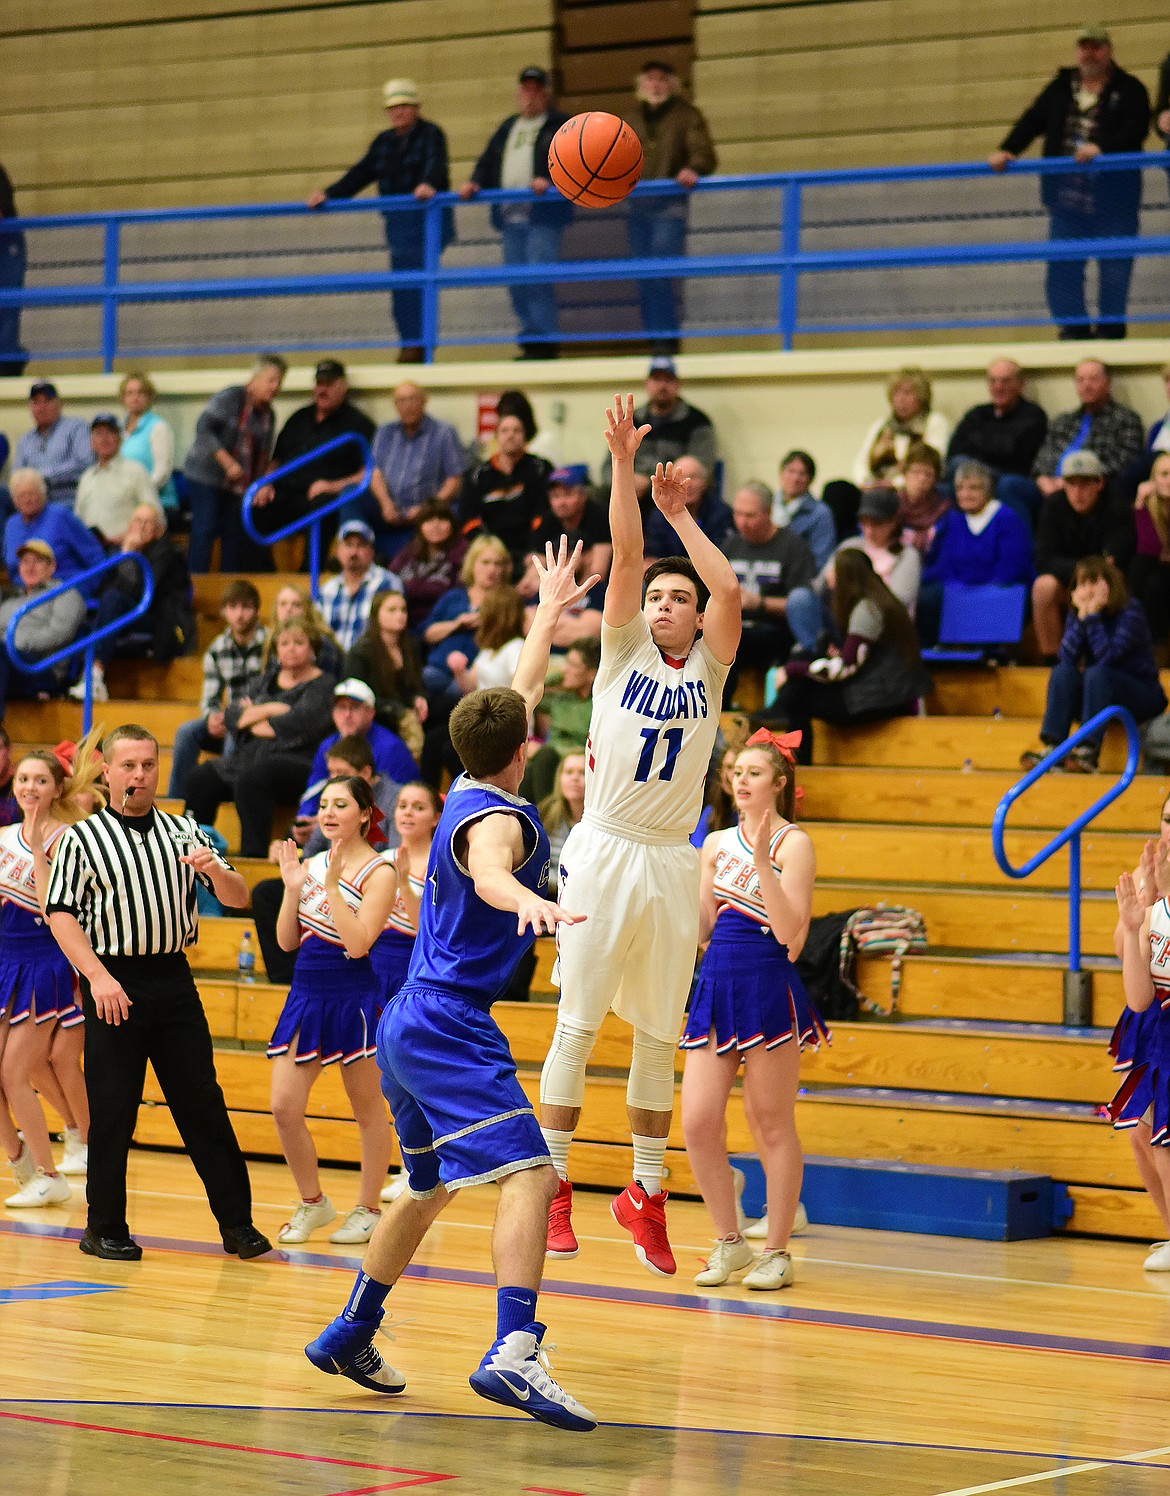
point(667, 642)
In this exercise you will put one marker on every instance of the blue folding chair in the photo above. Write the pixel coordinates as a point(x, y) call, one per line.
point(976, 620)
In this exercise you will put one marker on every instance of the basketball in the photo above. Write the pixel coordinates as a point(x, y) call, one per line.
point(595, 159)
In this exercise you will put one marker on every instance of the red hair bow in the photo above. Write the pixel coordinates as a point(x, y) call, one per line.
point(785, 743)
point(377, 824)
point(65, 753)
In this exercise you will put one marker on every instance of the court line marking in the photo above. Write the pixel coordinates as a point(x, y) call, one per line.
point(939, 1330)
point(418, 1477)
point(23, 1293)
point(1082, 1469)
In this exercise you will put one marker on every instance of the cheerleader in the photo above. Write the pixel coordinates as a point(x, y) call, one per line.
point(1141, 1040)
point(335, 906)
point(36, 981)
point(750, 1007)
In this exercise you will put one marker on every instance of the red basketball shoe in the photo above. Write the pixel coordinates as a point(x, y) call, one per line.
point(561, 1241)
point(644, 1217)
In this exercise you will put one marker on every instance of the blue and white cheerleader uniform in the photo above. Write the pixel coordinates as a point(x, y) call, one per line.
point(392, 950)
point(332, 1006)
point(748, 991)
point(35, 978)
point(1141, 1044)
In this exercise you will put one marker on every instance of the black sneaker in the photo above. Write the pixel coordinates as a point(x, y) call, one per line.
point(110, 1248)
point(245, 1241)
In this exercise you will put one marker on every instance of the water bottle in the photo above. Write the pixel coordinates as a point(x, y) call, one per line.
point(246, 960)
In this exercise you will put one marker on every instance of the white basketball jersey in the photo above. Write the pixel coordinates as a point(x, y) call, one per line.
point(1160, 951)
point(651, 735)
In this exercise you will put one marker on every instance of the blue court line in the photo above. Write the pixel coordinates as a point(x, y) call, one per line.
point(61, 1290)
point(692, 1303)
point(398, 1411)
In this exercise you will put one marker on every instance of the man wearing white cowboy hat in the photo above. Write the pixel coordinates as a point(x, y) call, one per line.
point(408, 158)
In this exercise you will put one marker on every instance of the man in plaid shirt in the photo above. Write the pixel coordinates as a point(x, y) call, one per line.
point(1099, 425)
point(346, 599)
point(231, 660)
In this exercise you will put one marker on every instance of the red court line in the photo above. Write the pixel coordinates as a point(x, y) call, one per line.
point(549, 1491)
point(418, 1477)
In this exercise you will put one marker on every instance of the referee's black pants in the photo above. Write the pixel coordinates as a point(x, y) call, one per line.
point(168, 1027)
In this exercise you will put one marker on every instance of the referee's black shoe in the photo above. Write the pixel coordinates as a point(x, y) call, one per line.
point(245, 1241)
point(112, 1248)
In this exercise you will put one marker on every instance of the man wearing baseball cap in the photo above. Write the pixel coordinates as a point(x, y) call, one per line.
point(43, 631)
point(1090, 110)
point(410, 158)
point(346, 599)
point(112, 487)
point(517, 156)
point(677, 428)
point(57, 446)
point(330, 414)
point(353, 717)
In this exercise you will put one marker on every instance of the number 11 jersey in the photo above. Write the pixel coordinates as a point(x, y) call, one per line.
point(651, 735)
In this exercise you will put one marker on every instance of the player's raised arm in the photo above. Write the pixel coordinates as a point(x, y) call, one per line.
point(558, 590)
point(723, 616)
point(495, 846)
point(623, 593)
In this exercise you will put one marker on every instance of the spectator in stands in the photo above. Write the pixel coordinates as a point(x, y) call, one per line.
point(234, 438)
point(1111, 431)
point(517, 156)
point(167, 629)
point(1005, 435)
point(1149, 571)
point(57, 446)
point(13, 357)
point(922, 503)
point(795, 508)
point(297, 602)
point(982, 541)
point(43, 631)
point(507, 496)
point(231, 660)
point(386, 658)
point(346, 599)
point(579, 518)
point(330, 414)
point(1106, 659)
point(148, 439)
point(710, 512)
point(453, 620)
point(676, 146)
point(277, 729)
point(10, 812)
point(811, 611)
point(75, 547)
point(876, 673)
point(114, 487)
point(1092, 109)
point(564, 714)
point(429, 565)
point(353, 717)
point(677, 429)
point(416, 459)
point(1133, 479)
point(409, 157)
point(561, 810)
point(1079, 519)
point(499, 639)
point(540, 443)
point(769, 562)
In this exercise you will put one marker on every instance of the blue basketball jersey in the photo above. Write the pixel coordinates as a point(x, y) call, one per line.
point(464, 945)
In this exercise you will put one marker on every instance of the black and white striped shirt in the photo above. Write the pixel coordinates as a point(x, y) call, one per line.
point(121, 879)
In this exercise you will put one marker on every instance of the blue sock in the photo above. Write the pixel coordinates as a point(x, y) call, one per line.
point(515, 1310)
point(367, 1298)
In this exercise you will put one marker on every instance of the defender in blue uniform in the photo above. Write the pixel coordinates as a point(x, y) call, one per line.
point(461, 1115)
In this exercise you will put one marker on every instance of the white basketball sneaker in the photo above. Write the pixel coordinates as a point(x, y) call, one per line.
point(306, 1219)
point(42, 1189)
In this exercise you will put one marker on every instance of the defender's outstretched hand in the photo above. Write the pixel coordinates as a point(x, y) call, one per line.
point(556, 575)
point(622, 436)
point(542, 916)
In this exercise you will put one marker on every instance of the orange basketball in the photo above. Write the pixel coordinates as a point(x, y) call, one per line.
point(595, 160)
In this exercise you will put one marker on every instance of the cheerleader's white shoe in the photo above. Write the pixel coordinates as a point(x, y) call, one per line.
point(1158, 1258)
point(22, 1165)
point(394, 1187)
point(358, 1226)
point(42, 1189)
point(76, 1157)
point(759, 1232)
point(307, 1219)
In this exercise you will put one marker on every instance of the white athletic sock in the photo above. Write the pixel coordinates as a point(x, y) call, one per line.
point(557, 1144)
point(649, 1154)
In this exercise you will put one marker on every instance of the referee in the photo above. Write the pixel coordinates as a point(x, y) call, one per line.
point(121, 905)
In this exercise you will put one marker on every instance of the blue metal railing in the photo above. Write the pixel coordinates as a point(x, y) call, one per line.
point(312, 520)
point(125, 274)
point(1071, 835)
point(84, 643)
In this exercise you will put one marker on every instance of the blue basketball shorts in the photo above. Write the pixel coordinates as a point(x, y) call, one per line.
point(450, 1082)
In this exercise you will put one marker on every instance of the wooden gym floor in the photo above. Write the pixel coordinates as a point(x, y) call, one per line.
point(897, 1365)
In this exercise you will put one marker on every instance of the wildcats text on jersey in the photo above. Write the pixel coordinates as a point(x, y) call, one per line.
point(651, 698)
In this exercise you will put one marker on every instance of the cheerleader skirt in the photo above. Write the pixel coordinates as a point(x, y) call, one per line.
point(330, 1013)
point(1144, 1095)
point(749, 992)
point(1132, 1035)
point(391, 954)
point(35, 978)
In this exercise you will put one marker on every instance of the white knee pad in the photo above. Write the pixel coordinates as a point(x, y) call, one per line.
point(651, 1084)
point(562, 1081)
